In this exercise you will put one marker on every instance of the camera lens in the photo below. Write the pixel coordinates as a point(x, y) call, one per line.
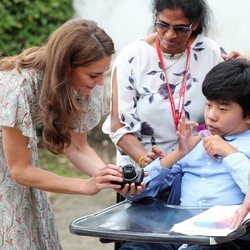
point(129, 172)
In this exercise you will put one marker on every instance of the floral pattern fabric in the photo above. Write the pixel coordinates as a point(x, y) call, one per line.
point(144, 106)
point(26, 218)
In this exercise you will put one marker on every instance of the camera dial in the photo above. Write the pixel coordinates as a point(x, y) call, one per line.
point(129, 173)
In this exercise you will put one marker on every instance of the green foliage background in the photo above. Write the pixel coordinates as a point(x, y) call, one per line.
point(27, 23)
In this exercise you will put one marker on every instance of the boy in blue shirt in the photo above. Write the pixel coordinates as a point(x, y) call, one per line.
point(207, 181)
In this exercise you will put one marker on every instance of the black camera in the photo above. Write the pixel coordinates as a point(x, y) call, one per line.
point(131, 175)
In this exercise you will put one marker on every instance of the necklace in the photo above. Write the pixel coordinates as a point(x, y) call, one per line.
point(176, 113)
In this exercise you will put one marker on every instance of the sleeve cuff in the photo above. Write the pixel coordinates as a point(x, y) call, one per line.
point(153, 170)
point(234, 159)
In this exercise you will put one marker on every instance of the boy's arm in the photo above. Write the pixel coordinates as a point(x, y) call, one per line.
point(158, 176)
point(238, 165)
point(216, 145)
point(186, 142)
point(170, 159)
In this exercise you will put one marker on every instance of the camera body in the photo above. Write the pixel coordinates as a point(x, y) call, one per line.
point(130, 175)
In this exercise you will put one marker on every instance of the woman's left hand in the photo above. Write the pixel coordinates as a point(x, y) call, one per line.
point(131, 189)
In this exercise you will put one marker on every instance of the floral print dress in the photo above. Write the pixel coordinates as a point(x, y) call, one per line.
point(143, 103)
point(26, 218)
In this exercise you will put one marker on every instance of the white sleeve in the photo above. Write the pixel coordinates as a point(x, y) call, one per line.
point(127, 96)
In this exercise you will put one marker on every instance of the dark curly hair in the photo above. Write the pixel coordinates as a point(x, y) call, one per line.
point(195, 10)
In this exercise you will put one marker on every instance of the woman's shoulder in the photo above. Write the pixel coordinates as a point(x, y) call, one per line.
point(206, 48)
point(20, 77)
point(23, 84)
point(135, 52)
point(137, 46)
point(19, 96)
point(205, 42)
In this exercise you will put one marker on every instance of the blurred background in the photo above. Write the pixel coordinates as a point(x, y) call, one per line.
point(26, 23)
point(128, 20)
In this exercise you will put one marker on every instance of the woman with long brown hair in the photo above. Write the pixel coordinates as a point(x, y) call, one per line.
point(61, 85)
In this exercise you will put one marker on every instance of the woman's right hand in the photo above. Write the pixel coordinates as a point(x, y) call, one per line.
point(103, 179)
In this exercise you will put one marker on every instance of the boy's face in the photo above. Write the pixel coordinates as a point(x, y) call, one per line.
point(225, 118)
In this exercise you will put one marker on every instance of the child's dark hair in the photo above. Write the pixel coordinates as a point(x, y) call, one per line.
point(229, 81)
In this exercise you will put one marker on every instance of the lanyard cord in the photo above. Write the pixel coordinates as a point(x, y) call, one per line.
point(175, 113)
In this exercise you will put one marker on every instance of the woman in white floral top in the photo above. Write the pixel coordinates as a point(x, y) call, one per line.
point(61, 85)
point(158, 78)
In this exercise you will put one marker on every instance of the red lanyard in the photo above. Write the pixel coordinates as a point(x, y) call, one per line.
point(175, 112)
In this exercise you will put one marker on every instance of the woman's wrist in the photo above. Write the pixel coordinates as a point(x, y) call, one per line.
point(141, 160)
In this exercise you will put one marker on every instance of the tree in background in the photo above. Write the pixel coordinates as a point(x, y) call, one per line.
point(27, 23)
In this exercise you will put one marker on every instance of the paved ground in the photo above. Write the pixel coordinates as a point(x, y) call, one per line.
point(69, 207)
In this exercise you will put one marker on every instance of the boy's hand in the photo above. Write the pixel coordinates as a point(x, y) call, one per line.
point(186, 139)
point(215, 145)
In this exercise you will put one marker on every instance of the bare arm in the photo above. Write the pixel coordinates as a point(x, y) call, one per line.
point(21, 170)
point(87, 160)
point(82, 156)
point(186, 142)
